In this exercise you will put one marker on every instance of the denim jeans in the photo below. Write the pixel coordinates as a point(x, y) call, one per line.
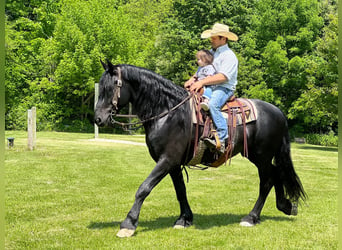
point(208, 90)
point(218, 96)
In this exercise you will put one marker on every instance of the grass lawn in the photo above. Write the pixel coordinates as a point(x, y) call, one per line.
point(72, 193)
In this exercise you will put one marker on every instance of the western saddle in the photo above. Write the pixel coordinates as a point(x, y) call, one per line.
point(237, 111)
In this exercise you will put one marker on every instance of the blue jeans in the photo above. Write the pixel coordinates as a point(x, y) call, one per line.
point(208, 90)
point(218, 96)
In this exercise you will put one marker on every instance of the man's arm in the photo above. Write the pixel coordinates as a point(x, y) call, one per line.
point(210, 80)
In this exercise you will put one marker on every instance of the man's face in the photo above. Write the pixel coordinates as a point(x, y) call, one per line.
point(217, 41)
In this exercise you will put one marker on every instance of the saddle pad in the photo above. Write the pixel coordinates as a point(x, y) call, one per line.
point(193, 111)
point(248, 106)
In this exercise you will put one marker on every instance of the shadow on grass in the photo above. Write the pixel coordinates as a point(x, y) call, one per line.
point(201, 221)
point(321, 148)
point(103, 225)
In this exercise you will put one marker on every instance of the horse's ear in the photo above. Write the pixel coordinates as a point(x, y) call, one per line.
point(105, 66)
point(110, 66)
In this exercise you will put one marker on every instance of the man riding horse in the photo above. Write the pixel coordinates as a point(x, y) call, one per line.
point(221, 86)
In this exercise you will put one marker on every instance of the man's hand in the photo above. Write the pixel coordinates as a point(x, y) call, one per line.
point(196, 86)
point(210, 80)
point(189, 82)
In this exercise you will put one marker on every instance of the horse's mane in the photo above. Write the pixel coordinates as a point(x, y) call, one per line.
point(154, 93)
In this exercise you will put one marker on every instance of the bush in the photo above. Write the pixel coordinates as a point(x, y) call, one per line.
point(322, 139)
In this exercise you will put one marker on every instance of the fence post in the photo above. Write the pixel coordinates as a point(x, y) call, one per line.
point(31, 128)
point(96, 128)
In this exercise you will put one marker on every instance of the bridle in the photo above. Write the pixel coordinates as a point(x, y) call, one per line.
point(115, 102)
point(116, 95)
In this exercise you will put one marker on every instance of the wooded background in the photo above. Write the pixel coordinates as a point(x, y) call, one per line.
point(287, 52)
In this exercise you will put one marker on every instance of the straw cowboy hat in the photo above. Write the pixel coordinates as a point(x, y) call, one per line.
point(219, 30)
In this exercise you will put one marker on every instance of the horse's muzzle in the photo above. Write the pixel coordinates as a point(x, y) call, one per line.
point(98, 121)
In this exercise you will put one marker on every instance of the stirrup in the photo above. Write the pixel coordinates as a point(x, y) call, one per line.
point(211, 143)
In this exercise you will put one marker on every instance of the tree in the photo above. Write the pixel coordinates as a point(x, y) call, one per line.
point(318, 103)
point(287, 53)
point(28, 24)
point(179, 38)
point(60, 62)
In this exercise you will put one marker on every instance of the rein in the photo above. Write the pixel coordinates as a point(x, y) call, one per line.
point(123, 124)
point(115, 102)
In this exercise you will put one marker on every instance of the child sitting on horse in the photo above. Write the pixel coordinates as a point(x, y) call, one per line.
point(204, 59)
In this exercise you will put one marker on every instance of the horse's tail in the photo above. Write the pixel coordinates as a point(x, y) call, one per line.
point(290, 180)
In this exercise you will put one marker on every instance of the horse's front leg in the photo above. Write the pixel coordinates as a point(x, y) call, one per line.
point(186, 217)
point(129, 225)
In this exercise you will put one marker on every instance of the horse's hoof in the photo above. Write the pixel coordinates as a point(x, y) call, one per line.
point(246, 224)
point(178, 227)
point(125, 232)
point(183, 222)
point(294, 210)
point(249, 221)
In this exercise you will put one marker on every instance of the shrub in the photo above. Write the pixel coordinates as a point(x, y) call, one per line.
point(329, 139)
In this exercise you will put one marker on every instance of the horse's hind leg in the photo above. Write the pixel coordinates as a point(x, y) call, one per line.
point(283, 204)
point(269, 177)
point(266, 184)
point(186, 216)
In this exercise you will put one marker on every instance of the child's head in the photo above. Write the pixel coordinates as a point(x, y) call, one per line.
point(204, 57)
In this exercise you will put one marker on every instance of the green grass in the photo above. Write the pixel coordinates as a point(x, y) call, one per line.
point(73, 193)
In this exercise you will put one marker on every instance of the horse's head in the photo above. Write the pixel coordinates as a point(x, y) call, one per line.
point(113, 94)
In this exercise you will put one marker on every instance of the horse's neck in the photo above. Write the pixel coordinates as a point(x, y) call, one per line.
point(153, 97)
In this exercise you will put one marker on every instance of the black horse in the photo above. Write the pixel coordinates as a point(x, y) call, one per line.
point(170, 140)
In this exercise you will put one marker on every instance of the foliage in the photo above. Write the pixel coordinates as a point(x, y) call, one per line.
point(287, 53)
point(318, 103)
point(68, 61)
point(179, 38)
point(329, 139)
point(28, 25)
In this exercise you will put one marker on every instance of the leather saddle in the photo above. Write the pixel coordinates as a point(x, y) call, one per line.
point(240, 108)
point(237, 111)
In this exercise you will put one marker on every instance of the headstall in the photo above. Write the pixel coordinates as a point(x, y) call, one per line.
point(116, 96)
